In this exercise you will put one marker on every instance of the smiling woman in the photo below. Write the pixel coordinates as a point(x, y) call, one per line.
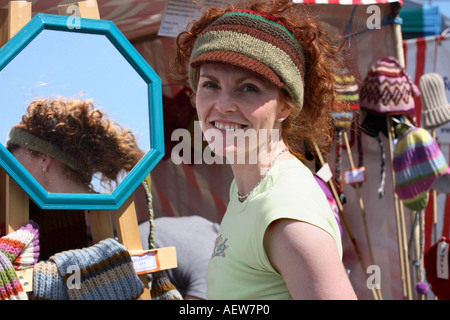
point(267, 67)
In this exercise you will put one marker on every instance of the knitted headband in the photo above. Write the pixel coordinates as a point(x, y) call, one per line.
point(20, 136)
point(256, 42)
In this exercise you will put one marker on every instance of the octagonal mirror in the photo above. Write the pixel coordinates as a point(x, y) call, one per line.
point(93, 61)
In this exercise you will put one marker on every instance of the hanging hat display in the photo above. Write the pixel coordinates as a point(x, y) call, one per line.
point(344, 116)
point(388, 89)
point(419, 165)
point(435, 107)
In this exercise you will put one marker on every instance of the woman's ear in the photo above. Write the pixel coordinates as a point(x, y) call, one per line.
point(46, 160)
point(284, 112)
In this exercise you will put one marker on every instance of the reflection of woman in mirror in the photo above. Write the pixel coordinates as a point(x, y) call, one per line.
point(62, 143)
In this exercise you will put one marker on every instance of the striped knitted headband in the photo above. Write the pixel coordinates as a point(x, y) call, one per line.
point(256, 42)
point(20, 136)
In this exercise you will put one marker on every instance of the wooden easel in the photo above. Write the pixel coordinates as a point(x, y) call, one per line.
point(15, 202)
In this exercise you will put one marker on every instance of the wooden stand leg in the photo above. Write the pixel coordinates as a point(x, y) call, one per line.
point(128, 233)
point(16, 200)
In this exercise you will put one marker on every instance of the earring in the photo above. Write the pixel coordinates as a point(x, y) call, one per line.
point(43, 169)
point(280, 119)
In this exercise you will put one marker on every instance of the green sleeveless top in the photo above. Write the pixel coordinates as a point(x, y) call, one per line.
point(239, 268)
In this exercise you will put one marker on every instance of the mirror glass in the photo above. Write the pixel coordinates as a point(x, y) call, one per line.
point(76, 65)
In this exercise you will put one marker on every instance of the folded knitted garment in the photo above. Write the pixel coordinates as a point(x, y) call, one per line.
point(100, 272)
point(10, 286)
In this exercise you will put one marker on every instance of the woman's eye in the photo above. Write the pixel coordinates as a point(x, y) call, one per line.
point(210, 85)
point(249, 88)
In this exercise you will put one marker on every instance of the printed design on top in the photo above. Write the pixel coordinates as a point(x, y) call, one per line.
point(220, 247)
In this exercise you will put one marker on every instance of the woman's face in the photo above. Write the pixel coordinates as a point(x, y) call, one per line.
point(234, 105)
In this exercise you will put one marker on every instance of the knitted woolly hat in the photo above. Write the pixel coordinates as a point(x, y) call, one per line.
point(10, 286)
point(259, 43)
point(435, 107)
point(106, 272)
point(418, 163)
point(439, 286)
point(21, 247)
point(348, 99)
point(388, 89)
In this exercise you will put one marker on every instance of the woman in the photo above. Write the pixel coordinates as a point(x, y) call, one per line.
point(267, 68)
point(63, 142)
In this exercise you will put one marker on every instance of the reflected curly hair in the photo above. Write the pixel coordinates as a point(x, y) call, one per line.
point(322, 58)
point(84, 133)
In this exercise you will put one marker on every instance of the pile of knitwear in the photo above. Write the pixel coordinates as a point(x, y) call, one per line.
point(103, 271)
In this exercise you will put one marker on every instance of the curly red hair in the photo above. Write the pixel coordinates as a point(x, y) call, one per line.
point(314, 123)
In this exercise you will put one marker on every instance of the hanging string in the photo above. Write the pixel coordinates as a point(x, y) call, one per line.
point(339, 147)
point(146, 183)
point(383, 165)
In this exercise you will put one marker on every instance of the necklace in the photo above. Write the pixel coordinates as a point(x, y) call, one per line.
point(262, 178)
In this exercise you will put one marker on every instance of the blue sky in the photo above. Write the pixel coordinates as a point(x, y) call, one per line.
point(69, 64)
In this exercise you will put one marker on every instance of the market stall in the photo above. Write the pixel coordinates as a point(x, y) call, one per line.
point(376, 233)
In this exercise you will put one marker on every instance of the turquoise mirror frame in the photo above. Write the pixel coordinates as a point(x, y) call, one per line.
point(127, 186)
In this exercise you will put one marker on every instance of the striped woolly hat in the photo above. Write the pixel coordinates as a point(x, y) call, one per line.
point(388, 89)
point(348, 99)
point(418, 164)
point(257, 42)
point(106, 273)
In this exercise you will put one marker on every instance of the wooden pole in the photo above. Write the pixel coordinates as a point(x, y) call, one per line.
point(16, 205)
point(400, 221)
point(361, 206)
